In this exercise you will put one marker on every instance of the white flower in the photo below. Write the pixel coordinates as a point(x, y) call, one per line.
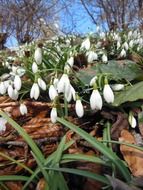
point(130, 34)
point(104, 58)
point(108, 94)
point(102, 35)
point(14, 69)
point(10, 91)
point(2, 88)
point(52, 92)
point(20, 71)
point(23, 109)
point(123, 53)
point(126, 46)
point(117, 87)
point(15, 94)
point(79, 108)
point(63, 84)
point(53, 115)
point(38, 56)
point(85, 44)
point(73, 92)
point(118, 44)
point(17, 82)
point(131, 43)
point(70, 61)
point(34, 67)
point(132, 120)
point(41, 84)
point(55, 82)
point(2, 124)
point(35, 91)
point(92, 56)
point(93, 80)
point(95, 100)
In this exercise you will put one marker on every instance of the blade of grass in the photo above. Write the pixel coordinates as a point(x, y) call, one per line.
point(3, 186)
point(100, 147)
point(47, 161)
point(77, 157)
point(87, 174)
point(16, 162)
point(25, 136)
point(13, 178)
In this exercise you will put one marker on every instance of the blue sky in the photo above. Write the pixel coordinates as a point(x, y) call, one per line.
point(82, 22)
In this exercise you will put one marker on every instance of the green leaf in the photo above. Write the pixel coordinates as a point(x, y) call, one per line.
point(100, 147)
point(129, 94)
point(87, 174)
point(124, 69)
point(13, 178)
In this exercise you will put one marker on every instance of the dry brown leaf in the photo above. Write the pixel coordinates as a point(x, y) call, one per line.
point(14, 185)
point(132, 156)
point(41, 184)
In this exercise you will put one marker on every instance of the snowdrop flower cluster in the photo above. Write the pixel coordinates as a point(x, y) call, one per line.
point(96, 102)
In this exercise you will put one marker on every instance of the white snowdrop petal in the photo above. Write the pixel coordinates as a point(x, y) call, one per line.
point(34, 67)
point(85, 44)
point(2, 88)
point(123, 53)
point(17, 82)
point(104, 58)
point(10, 91)
point(96, 100)
point(53, 115)
point(93, 80)
point(108, 94)
point(70, 61)
point(55, 82)
point(38, 56)
point(79, 108)
point(41, 84)
point(23, 109)
point(117, 87)
point(52, 92)
point(132, 121)
point(35, 91)
point(91, 56)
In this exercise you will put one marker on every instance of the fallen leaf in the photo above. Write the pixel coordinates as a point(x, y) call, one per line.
point(132, 156)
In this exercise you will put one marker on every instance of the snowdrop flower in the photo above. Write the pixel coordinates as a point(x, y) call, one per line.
point(126, 46)
point(123, 53)
point(2, 88)
point(53, 115)
point(102, 35)
point(118, 44)
point(70, 61)
point(130, 34)
point(79, 108)
point(85, 44)
point(35, 91)
point(34, 67)
point(14, 69)
point(132, 120)
point(95, 100)
point(10, 91)
point(55, 82)
point(92, 56)
point(108, 94)
point(20, 71)
point(117, 87)
point(104, 58)
point(15, 94)
point(2, 124)
point(38, 56)
point(17, 82)
point(131, 43)
point(64, 84)
point(52, 92)
point(73, 92)
point(23, 109)
point(41, 84)
point(93, 80)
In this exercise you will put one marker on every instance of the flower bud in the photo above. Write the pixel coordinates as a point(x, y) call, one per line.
point(95, 100)
point(79, 108)
point(117, 87)
point(92, 56)
point(35, 91)
point(23, 109)
point(52, 92)
point(85, 44)
point(132, 120)
point(38, 56)
point(2, 125)
point(104, 58)
point(41, 84)
point(34, 67)
point(53, 115)
point(70, 61)
point(123, 53)
point(108, 94)
point(17, 82)
point(2, 88)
